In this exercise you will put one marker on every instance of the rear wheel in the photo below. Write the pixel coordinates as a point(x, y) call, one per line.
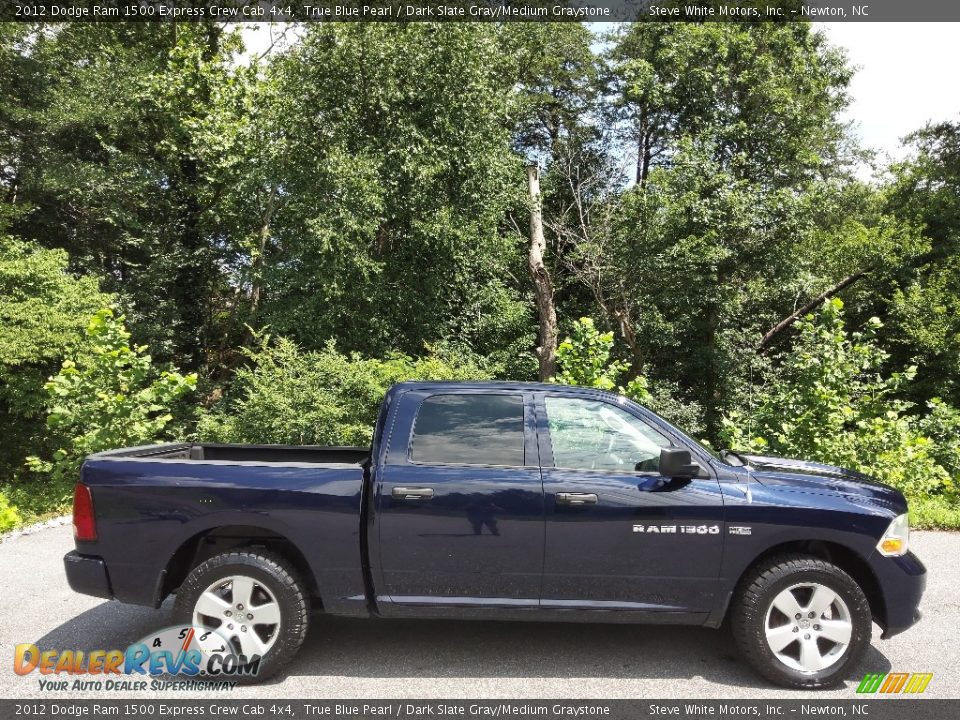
point(254, 600)
point(801, 622)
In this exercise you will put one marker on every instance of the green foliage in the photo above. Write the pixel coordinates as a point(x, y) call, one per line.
point(559, 83)
point(832, 402)
point(697, 264)
point(109, 157)
point(725, 227)
point(43, 310)
point(937, 512)
point(584, 359)
point(925, 308)
point(364, 187)
point(110, 395)
point(9, 517)
point(942, 425)
point(764, 96)
point(323, 397)
point(395, 192)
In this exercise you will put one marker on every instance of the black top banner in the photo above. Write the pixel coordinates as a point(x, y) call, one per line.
point(476, 11)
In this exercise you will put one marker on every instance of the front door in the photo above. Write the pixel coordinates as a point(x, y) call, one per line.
point(460, 504)
point(618, 535)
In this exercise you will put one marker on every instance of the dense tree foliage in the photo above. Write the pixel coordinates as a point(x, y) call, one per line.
point(320, 397)
point(360, 197)
point(108, 395)
point(763, 98)
point(108, 159)
point(389, 235)
point(925, 306)
point(586, 358)
point(832, 401)
point(43, 312)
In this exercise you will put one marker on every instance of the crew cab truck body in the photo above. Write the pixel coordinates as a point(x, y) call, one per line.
point(518, 501)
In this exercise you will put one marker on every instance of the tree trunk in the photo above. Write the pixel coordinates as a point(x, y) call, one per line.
point(711, 368)
point(809, 307)
point(641, 157)
point(193, 277)
point(547, 313)
point(629, 335)
point(256, 283)
point(644, 148)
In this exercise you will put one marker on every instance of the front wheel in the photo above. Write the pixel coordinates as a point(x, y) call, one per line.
point(254, 600)
point(801, 622)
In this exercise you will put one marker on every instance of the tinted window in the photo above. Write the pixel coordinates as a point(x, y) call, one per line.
point(474, 429)
point(592, 435)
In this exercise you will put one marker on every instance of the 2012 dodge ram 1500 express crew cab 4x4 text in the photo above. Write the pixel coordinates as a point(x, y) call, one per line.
point(513, 501)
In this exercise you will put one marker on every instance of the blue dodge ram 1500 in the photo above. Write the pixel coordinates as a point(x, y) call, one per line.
point(508, 501)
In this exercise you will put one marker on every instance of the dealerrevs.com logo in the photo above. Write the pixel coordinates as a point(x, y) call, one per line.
point(179, 651)
point(908, 683)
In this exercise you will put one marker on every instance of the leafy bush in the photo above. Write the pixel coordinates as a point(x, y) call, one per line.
point(832, 403)
point(43, 311)
point(9, 517)
point(584, 359)
point(935, 513)
point(942, 426)
point(110, 395)
point(290, 396)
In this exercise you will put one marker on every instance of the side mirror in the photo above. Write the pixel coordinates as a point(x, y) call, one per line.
point(676, 463)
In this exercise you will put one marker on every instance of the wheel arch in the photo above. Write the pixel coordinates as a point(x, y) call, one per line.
point(844, 557)
point(213, 541)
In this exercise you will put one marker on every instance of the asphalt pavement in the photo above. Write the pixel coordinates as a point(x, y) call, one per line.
point(457, 659)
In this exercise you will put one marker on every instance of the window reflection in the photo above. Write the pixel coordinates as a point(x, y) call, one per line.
point(472, 429)
point(594, 435)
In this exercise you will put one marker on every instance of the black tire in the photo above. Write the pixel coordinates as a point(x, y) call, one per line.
point(799, 574)
point(269, 570)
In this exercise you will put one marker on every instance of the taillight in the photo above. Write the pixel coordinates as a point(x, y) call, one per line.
point(84, 523)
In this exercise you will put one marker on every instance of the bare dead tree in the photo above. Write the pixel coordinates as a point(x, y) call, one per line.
point(542, 282)
point(278, 39)
point(585, 232)
point(773, 332)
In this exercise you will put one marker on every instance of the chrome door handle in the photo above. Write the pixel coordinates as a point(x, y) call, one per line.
point(412, 493)
point(572, 498)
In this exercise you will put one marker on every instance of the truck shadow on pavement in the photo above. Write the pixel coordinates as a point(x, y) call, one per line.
point(455, 648)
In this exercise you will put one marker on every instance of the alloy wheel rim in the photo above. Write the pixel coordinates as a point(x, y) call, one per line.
point(243, 611)
point(808, 627)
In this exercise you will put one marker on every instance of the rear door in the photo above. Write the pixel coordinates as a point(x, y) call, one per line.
point(460, 503)
point(618, 535)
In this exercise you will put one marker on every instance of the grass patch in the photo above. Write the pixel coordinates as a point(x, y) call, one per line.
point(25, 502)
point(935, 513)
point(10, 518)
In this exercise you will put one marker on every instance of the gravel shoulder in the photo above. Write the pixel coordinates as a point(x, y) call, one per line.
point(455, 659)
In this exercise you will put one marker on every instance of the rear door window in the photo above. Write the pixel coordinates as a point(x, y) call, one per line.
point(469, 429)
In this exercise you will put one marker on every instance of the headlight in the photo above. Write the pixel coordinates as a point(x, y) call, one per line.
point(896, 540)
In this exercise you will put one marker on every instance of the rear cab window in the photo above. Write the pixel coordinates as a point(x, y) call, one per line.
point(469, 429)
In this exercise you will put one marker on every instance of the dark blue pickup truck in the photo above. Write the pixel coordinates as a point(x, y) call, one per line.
point(506, 501)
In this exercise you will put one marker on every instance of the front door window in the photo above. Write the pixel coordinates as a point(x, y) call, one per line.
point(595, 435)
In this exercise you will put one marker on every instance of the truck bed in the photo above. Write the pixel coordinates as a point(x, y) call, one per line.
point(156, 501)
point(274, 454)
